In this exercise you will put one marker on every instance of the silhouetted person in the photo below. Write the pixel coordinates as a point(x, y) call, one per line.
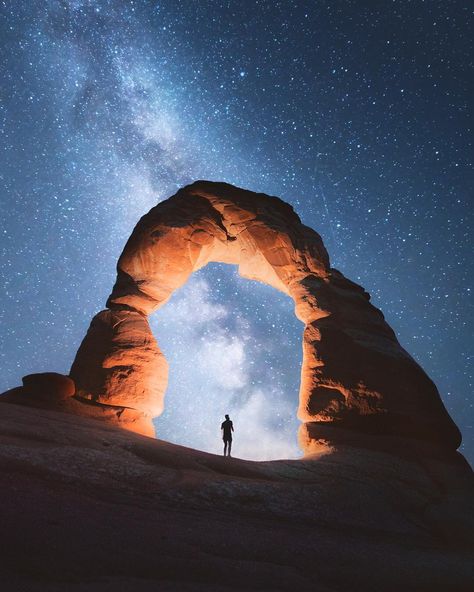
point(227, 428)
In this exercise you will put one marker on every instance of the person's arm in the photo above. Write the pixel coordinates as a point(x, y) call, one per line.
point(231, 426)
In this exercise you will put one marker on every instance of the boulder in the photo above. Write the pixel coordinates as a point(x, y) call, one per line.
point(49, 385)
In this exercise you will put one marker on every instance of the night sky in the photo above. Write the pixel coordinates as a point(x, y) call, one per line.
point(356, 113)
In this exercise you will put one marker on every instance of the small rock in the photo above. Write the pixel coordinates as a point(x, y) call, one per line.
point(49, 385)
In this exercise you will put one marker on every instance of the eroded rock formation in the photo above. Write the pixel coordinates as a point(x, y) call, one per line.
point(355, 375)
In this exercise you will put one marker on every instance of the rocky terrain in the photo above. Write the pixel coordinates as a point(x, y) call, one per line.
point(88, 506)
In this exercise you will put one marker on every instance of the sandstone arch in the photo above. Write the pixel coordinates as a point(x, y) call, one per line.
point(354, 375)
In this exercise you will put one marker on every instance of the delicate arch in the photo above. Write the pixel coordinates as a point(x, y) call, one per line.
point(354, 373)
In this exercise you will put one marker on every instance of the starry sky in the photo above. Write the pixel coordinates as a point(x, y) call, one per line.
point(355, 112)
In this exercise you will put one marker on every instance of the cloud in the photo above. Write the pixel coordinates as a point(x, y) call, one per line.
point(223, 357)
point(213, 372)
point(193, 307)
point(256, 436)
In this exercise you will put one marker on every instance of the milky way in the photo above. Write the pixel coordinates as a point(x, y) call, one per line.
point(355, 113)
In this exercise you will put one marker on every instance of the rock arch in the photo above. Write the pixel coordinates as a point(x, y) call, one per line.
point(355, 375)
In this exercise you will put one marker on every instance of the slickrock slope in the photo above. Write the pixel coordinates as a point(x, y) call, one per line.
point(354, 374)
point(86, 506)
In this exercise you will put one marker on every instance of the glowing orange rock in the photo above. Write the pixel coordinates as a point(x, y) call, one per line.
point(354, 375)
point(119, 363)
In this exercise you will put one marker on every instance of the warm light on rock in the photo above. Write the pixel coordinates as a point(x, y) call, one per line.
point(355, 374)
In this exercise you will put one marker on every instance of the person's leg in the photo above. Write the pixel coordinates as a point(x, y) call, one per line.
point(225, 447)
point(230, 447)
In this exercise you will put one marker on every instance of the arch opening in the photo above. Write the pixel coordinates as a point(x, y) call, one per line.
point(233, 346)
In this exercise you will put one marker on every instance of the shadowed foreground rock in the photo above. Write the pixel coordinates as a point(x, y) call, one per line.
point(85, 506)
point(354, 374)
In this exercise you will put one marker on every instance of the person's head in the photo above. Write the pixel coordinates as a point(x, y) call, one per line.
point(227, 417)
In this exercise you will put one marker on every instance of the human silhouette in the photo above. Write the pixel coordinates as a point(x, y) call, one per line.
point(227, 427)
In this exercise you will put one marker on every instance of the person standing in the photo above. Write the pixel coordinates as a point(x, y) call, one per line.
point(227, 427)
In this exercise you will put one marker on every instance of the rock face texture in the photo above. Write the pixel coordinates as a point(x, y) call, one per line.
point(119, 362)
point(355, 374)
